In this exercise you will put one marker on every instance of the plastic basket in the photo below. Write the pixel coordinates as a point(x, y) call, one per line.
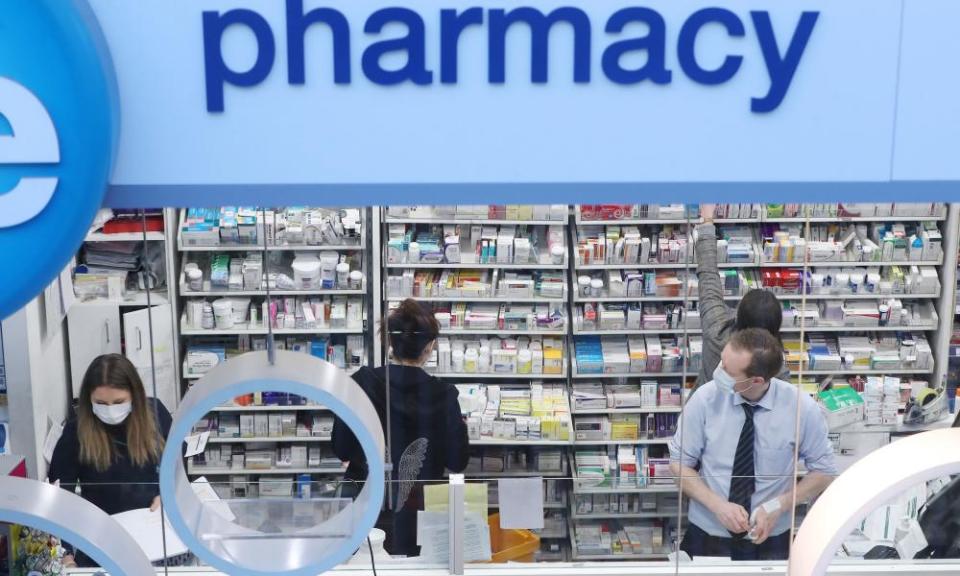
point(511, 545)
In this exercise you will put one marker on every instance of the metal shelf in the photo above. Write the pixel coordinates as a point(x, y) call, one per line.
point(444, 265)
point(479, 475)
point(193, 470)
point(689, 373)
point(843, 264)
point(134, 300)
point(481, 221)
point(468, 332)
point(657, 410)
point(625, 516)
point(785, 329)
point(499, 375)
point(653, 489)
point(349, 371)
point(577, 299)
point(891, 372)
point(284, 439)
point(634, 221)
point(680, 330)
point(262, 331)
point(640, 442)
point(185, 293)
point(507, 442)
point(838, 219)
point(500, 299)
point(272, 248)
point(760, 220)
point(815, 328)
point(124, 237)
point(301, 408)
point(692, 265)
point(546, 505)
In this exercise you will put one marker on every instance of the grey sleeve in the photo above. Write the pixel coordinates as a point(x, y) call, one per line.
point(714, 314)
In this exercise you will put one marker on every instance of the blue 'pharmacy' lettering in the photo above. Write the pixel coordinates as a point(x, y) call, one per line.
point(781, 65)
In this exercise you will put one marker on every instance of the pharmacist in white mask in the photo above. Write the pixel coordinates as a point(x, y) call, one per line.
point(112, 448)
point(734, 453)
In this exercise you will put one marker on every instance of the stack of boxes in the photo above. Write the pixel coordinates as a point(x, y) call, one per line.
point(295, 226)
point(475, 244)
point(520, 414)
point(625, 427)
point(488, 317)
point(881, 397)
point(622, 538)
point(877, 242)
point(496, 355)
point(597, 504)
point(476, 284)
point(632, 355)
point(648, 394)
point(631, 245)
point(519, 212)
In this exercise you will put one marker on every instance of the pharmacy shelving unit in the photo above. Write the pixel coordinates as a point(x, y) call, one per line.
point(590, 498)
point(277, 252)
point(397, 262)
point(757, 217)
point(114, 319)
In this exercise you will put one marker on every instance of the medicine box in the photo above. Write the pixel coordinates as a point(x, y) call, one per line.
point(841, 406)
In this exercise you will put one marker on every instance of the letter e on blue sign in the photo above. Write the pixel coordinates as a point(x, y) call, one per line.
point(59, 122)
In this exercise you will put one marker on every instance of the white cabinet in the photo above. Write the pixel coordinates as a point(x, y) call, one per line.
point(137, 336)
point(94, 330)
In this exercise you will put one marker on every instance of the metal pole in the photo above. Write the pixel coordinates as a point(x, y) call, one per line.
point(456, 509)
point(946, 304)
point(271, 349)
point(153, 368)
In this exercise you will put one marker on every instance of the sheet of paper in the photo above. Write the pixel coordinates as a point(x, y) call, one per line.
point(147, 529)
point(210, 499)
point(433, 535)
point(196, 443)
point(436, 498)
point(912, 542)
point(521, 503)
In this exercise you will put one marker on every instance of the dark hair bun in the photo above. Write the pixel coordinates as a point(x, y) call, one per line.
point(412, 327)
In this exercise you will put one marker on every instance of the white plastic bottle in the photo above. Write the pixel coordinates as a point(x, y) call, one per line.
point(457, 361)
point(470, 361)
point(483, 359)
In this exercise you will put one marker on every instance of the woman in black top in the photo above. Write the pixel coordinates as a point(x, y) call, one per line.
point(112, 448)
point(427, 432)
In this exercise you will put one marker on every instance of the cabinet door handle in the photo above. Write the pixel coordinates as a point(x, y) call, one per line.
point(106, 326)
point(139, 340)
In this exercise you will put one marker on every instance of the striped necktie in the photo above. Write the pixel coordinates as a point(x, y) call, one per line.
point(743, 484)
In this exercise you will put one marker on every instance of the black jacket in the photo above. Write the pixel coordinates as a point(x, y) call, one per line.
point(121, 487)
point(425, 421)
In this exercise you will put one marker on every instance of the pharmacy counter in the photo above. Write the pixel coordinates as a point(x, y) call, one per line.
point(711, 568)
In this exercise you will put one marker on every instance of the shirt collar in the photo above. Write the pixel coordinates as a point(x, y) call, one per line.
point(766, 402)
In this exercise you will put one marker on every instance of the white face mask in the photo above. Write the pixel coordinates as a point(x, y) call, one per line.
point(726, 383)
point(113, 414)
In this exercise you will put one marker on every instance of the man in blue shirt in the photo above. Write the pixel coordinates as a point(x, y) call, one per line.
point(735, 453)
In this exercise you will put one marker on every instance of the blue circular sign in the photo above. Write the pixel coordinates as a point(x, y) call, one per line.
point(59, 123)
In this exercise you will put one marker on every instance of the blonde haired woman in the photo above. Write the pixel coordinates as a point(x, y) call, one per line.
point(112, 448)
